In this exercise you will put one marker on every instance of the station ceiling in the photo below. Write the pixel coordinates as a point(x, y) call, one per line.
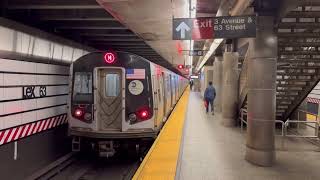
point(142, 27)
point(83, 21)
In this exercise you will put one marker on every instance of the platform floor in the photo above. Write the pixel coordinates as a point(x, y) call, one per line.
point(211, 151)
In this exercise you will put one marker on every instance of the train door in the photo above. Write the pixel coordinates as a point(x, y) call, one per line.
point(157, 100)
point(109, 98)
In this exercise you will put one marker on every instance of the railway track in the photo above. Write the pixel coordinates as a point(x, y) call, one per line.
point(76, 166)
point(54, 168)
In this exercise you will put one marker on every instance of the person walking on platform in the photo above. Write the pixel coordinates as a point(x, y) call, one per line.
point(191, 84)
point(209, 95)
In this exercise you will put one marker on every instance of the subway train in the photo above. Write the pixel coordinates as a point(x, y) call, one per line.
point(119, 100)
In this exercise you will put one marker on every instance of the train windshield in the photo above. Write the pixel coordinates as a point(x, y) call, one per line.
point(82, 88)
point(112, 85)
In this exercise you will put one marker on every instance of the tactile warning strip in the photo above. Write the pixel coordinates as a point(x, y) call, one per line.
point(162, 158)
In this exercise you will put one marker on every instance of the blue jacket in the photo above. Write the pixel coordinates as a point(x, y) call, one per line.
point(210, 93)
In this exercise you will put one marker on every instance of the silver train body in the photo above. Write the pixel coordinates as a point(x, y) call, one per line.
point(118, 99)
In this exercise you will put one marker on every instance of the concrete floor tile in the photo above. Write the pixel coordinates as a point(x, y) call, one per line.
point(213, 152)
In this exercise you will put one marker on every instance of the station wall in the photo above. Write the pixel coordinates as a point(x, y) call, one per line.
point(34, 78)
point(33, 98)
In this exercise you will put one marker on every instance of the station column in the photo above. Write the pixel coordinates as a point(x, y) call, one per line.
point(217, 81)
point(230, 87)
point(262, 68)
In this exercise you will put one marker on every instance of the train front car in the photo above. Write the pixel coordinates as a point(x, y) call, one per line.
point(111, 102)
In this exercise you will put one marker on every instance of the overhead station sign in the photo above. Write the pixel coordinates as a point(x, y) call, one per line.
point(234, 27)
point(191, 28)
point(216, 27)
point(196, 53)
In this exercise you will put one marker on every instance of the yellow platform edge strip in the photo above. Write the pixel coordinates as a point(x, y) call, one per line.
point(311, 117)
point(162, 158)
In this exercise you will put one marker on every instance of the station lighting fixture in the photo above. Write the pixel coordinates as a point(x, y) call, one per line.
point(212, 48)
point(193, 14)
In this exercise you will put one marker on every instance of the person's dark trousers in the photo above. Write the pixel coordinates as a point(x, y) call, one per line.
point(209, 102)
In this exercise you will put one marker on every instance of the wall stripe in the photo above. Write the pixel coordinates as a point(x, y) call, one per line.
point(25, 130)
point(313, 100)
point(27, 73)
point(20, 99)
point(20, 112)
point(15, 86)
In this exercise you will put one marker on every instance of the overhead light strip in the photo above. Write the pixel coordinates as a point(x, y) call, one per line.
point(212, 48)
point(193, 14)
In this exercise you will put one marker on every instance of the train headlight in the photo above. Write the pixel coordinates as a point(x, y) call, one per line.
point(78, 112)
point(132, 117)
point(87, 116)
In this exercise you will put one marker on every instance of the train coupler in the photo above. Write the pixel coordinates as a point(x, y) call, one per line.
point(106, 149)
point(76, 144)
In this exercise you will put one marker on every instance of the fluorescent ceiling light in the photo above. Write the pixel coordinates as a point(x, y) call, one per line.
point(212, 48)
point(193, 14)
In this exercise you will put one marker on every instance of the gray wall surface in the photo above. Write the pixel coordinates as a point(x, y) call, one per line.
point(34, 153)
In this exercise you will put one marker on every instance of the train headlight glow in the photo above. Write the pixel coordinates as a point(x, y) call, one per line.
point(78, 112)
point(144, 114)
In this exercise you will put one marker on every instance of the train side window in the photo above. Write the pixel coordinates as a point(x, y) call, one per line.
point(82, 87)
point(112, 85)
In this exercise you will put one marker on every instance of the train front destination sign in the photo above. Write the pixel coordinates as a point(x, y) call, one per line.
point(213, 27)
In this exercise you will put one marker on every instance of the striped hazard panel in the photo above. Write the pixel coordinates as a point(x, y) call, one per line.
point(19, 132)
point(313, 100)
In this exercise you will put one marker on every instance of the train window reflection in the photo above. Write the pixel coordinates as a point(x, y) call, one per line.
point(112, 85)
point(82, 88)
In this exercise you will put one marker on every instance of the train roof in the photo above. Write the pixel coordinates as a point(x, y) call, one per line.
point(121, 58)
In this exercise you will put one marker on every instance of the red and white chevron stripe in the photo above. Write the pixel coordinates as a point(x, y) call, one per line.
point(313, 100)
point(15, 133)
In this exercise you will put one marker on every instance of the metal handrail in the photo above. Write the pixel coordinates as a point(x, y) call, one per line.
point(308, 112)
point(316, 127)
point(282, 126)
point(242, 112)
point(285, 125)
